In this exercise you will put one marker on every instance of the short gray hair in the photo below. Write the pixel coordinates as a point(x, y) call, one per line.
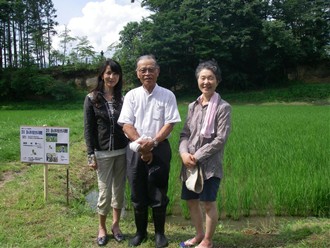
point(211, 65)
point(148, 56)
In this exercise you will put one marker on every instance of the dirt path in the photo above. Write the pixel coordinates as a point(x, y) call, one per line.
point(6, 177)
point(9, 175)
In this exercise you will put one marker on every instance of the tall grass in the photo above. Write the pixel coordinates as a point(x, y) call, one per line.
point(276, 160)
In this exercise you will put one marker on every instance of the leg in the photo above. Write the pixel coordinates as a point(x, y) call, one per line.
point(116, 212)
point(141, 223)
point(102, 237)
point(137, 178)
point(208, 197)
point(159, 216)
point(117, 234)
point(102, 226)
point(196, 215)
point(104, 200)
point(157, 188)
point(118, 195)
point(211, 221)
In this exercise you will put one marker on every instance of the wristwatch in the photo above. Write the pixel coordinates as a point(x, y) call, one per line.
point(155, 142)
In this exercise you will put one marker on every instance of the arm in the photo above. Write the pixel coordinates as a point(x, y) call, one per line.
point(133, 135)
point(164, 132)
point(130, 132)
point(147, 145)
point(187, 159)
point(90, 132)
point(89, 125)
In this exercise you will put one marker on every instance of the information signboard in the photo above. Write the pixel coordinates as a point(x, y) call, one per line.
point(47, 145)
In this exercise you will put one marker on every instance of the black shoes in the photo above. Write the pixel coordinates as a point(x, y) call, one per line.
point(160, 240)
point(102, 241)
point(138, 239)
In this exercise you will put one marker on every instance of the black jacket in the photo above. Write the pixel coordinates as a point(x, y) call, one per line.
point(100, 126)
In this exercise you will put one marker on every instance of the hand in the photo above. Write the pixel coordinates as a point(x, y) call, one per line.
point(146, 145)
point(147, 157)
point(188, 160)
point(92, 166)
point(92, 162)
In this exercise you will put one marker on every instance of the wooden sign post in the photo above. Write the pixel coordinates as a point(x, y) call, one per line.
point(46, 145)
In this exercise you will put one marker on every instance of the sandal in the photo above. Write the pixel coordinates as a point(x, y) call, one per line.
point(200, 246)
point(188, 243)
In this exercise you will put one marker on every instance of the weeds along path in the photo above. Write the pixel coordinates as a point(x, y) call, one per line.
point(9, 175)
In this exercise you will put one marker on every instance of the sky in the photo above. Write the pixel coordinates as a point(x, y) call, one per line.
point(99, 20)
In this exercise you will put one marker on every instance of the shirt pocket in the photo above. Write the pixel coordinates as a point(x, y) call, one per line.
point(159, 112)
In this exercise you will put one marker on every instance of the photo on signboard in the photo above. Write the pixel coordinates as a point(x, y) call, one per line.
point(51, 157)
point(61, 148)
point(51, 137)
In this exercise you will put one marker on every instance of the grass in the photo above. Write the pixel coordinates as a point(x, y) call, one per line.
point(276, 158)
point(276, 166)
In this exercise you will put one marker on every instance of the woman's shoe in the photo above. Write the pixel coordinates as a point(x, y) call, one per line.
point(119, 237)
point(188, 243)
point(102, 241)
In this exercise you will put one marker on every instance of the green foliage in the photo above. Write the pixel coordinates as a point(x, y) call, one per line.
point(30, 83)
point(4, 84)
point(295, 92)
point(40, 84)
point(256, 43)
point(26, 83)
point(21, 82)
point(61, 91)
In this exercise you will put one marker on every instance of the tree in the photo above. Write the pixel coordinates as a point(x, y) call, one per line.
point(256, 42)
point(50, 24)
point(309, 23)
point(128, 49)
point(65, 41)
point(26, 28)
point(84, 50)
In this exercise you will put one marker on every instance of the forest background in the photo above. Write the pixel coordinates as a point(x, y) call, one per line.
point(258, 44)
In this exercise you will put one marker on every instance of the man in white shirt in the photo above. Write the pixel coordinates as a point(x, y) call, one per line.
point(148, 115)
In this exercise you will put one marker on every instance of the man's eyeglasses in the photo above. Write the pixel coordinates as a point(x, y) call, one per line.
point(145, 70)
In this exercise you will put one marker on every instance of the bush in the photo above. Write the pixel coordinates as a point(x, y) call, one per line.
point(20, 83)
point(40, 84)
point(61, 91)
point(31, 84)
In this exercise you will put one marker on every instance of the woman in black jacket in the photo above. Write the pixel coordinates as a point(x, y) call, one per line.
point(106, 146)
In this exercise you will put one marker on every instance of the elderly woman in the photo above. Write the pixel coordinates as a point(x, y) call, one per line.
point(202, 143)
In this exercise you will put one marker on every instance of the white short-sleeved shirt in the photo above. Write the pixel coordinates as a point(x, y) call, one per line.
point(148, 113)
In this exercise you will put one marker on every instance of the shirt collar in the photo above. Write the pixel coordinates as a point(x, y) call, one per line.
point(153, 91)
